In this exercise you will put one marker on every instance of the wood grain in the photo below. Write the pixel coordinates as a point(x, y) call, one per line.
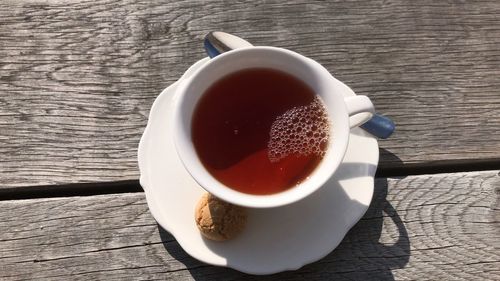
point(440, 227)
point(77, 78)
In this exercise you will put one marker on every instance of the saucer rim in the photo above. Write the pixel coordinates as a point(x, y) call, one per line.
point(154, 209)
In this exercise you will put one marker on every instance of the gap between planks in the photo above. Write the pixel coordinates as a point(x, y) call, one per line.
point(131, 186)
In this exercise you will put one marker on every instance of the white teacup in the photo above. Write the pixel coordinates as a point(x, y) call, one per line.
point(344, 113)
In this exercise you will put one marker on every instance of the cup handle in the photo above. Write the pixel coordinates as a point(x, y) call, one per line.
point(360, 109)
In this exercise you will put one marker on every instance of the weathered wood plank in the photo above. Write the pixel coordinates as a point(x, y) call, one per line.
point(420, 227)
point(77, 78)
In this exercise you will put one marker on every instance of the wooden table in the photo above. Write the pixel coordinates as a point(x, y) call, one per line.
point(77, 80)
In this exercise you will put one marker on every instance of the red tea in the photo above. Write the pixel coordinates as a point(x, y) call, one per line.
point(260, 131)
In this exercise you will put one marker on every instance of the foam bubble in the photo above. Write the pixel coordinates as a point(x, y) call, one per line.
point(301, 130)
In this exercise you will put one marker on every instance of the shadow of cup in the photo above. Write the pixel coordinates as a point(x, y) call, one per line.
point(364, 254)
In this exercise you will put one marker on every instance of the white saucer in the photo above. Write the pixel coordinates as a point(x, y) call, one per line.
point(274, 240)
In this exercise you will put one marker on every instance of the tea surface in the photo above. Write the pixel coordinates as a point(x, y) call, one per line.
point(260, 131)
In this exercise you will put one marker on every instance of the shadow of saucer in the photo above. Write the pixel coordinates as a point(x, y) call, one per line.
point(364, 253)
